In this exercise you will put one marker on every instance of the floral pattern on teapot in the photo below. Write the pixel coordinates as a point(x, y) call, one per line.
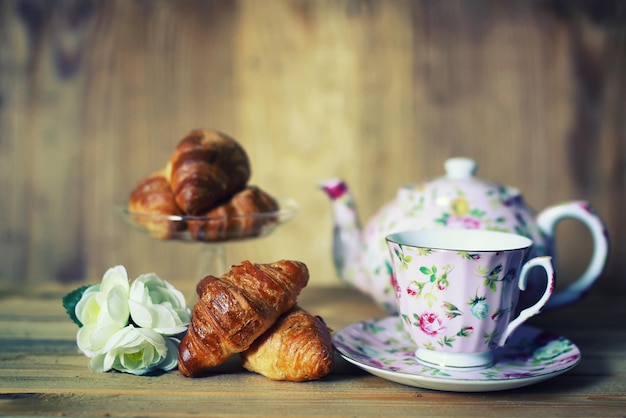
point(458, 213)
point(456, 200)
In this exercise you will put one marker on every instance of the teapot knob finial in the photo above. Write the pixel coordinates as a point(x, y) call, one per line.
point(460, 168)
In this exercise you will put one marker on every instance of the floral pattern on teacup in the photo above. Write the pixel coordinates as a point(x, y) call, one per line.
point(424, 285)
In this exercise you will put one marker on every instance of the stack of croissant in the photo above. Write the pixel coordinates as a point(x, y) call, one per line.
point(205, 180)
point(252, 310)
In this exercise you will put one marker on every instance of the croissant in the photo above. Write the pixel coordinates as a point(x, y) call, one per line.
point(297, 348)
point(206, 168)
point(234, 310)
point(243, 216)
point(153, 196)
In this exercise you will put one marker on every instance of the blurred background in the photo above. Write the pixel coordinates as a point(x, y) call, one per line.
point(94, 95)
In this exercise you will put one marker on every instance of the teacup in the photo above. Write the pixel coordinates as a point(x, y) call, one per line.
point(457, 291)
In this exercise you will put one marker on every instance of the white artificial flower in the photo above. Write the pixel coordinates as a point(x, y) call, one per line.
point(137, 351)
point(130, 328)
point(103, 310)
point(156, 304)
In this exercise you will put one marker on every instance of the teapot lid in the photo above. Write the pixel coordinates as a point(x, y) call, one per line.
point(460, 181)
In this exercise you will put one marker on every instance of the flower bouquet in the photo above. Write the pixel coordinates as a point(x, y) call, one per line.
point(129, 328)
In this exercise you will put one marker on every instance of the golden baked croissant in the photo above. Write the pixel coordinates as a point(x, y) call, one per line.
point(229, 220)
point(153, 196)
point(297, 348)
point(206, 168)
point(234, 310)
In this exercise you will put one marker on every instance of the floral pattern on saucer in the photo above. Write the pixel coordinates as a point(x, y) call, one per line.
point(383, 348)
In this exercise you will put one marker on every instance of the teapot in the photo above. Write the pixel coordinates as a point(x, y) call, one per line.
point(457, 200)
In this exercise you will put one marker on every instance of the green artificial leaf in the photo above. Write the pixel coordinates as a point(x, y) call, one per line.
point(71, 299)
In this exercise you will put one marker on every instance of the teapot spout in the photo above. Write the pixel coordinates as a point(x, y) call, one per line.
point(346, 231)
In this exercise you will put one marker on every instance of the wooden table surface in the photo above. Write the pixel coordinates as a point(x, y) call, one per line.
point(42, 372)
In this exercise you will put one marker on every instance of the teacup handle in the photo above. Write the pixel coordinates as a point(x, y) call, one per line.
point(583, 212)
point(544, 262)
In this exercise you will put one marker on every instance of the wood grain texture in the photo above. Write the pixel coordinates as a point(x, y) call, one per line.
point(42, 373)
point(94, 96)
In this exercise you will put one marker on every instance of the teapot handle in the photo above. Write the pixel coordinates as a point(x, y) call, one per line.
point(582, 211)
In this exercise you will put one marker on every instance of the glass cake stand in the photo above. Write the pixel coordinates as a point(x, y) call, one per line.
point(214, 233)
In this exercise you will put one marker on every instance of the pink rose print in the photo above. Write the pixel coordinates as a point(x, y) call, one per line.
point(471, 223)
point(430, 323)
point(466, 222)
point(587, 208)
point(395, 286)
point(394, 282)
point(412, 290)
point(568, 359)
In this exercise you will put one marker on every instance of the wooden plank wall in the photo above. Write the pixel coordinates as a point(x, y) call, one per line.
point(95, 94)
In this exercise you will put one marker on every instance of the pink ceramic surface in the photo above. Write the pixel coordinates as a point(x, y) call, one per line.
point(457, 291)
point(383, 348)
point(458, 200)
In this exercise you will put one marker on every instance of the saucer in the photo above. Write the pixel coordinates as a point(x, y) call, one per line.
point(382, 348)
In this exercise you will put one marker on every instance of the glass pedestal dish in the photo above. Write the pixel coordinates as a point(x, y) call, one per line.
point(213, 234)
